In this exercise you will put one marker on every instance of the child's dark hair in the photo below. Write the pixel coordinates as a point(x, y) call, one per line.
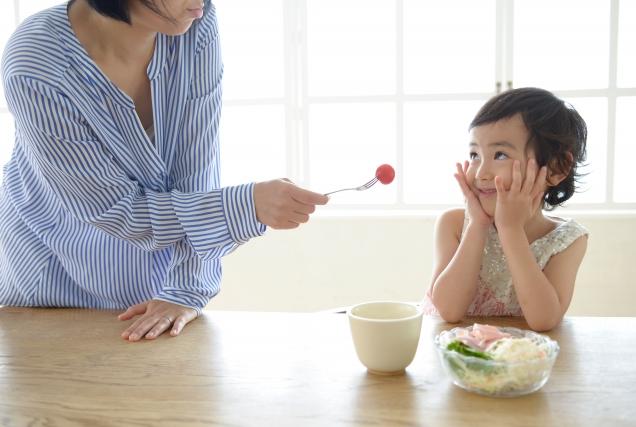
point(557, 132)
point(118, 9)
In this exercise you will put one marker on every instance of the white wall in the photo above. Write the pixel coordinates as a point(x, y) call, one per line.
point(334, 262)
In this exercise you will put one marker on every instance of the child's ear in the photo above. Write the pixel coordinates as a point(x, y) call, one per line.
point(557, 174)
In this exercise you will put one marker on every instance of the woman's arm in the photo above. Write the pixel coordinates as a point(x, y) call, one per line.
point(90, 185)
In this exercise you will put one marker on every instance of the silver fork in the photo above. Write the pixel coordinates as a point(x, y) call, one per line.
point(361, 188)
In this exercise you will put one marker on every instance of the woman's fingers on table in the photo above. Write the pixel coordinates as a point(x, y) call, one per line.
point(140, 327)
point(133, 311)
point(158, 328)
point(157, 319)
point(180, 323)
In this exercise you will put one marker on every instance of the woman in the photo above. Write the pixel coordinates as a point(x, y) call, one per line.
point(111, 198)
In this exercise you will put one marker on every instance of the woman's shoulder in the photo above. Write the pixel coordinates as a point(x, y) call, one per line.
point(35, 49)
point(205, 29)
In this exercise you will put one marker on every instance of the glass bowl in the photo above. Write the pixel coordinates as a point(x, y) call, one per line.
point(497, 377)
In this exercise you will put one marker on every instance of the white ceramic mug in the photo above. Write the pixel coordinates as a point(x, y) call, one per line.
point(385, 334)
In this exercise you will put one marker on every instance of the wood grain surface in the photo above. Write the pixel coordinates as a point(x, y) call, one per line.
point(67, 367)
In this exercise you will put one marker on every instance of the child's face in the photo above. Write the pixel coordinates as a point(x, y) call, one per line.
point(493, 148)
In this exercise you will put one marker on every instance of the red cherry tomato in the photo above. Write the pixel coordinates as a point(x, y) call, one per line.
point(385, 174)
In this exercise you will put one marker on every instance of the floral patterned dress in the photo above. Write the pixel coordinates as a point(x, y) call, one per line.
point(495, 292)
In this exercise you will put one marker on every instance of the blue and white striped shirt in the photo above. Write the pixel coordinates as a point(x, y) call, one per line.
point(92, 214)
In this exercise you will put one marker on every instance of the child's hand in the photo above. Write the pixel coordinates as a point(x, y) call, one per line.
point(474, 210)
point(156, 317)
point(517, 205)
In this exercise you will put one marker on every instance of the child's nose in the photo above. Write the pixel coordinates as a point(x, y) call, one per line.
point(484, 171)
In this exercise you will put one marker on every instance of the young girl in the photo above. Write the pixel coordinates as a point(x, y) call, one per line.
point(500, 255)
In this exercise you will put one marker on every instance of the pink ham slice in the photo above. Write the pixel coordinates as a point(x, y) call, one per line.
point(481, 336)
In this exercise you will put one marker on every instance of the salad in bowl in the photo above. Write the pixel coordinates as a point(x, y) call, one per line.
point(497, 361)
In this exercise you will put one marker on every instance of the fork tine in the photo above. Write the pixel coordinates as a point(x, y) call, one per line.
point(360, 188)
point(370, 183)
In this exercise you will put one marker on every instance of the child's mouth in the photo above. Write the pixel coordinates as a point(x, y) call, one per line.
point(487, 192)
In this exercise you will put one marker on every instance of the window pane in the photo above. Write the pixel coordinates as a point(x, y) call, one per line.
point(7, 137)
point(561, 44)
point(347, 142)
point(627, 44)
point(252, 144)
point(435, 138)
point(351, 47)
point(7, 25)
point(591, 186)
point(251, 34)
point(624, 189)
point(438, 39)
point(29, 7)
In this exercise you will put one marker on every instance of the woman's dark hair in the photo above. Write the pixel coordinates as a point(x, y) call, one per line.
point(118, 9)
point(557, 133)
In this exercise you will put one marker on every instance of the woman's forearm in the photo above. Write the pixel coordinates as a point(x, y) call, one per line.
point(455, 287)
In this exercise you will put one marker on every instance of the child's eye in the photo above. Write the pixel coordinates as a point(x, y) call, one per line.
point(500, 155)
point(473, 156)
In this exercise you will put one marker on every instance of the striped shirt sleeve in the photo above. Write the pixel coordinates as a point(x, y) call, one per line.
point(91, 186)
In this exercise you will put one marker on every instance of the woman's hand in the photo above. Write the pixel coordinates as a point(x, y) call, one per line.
point(280, 204)
point(516, 206)
point(474, 210)
point(156, 317)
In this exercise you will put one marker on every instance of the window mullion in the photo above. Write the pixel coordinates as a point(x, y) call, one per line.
point(303, 103)
point(499, 44)
point(611, 102)
point(505, 49)
point(509, 18)
point(293, 70)
point(399, 101)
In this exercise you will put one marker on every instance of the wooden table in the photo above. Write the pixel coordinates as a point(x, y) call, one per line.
point(69, 367)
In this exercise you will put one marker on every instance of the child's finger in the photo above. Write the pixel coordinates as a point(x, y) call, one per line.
point(531, 174)
point(462, 168)
point(516, 176)
point(499, 186)
point(539, 183)
point(537, 201)
point(462, 185)
point(460, 176)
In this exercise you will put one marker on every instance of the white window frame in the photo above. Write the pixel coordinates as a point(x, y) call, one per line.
point(297, 101)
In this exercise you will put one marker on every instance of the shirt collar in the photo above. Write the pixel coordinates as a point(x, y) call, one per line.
point(92, 73)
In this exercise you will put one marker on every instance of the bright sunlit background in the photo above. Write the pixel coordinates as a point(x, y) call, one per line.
point(323, 91)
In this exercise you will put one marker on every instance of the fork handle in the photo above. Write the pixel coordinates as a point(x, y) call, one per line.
point(338, 191)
